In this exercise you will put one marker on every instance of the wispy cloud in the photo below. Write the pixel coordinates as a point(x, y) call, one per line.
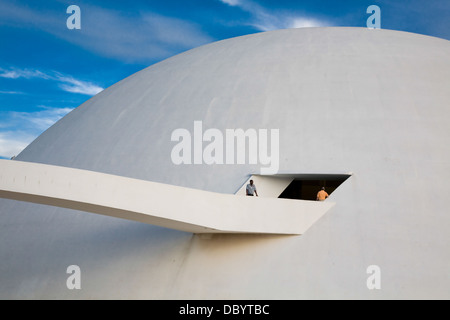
point(304, 22)
point(231, 2)
point(266, 20)
point(11, 92)
point(70, 84)
point(64, 82)
point(133, 37)
point(18, 129)
point(37, 120)
point(146, 36)
point(22, 73)
point(13, 142)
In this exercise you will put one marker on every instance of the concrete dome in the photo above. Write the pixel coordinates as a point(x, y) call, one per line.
point(370, 102)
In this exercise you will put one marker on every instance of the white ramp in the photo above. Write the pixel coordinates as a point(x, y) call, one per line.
point(164, 205)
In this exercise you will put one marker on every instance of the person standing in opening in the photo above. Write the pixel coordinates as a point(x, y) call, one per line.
point(322, 195)
point(250, 190)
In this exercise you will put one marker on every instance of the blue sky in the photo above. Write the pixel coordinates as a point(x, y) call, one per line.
point(46, 69)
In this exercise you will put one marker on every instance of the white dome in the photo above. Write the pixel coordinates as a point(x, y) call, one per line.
point(370, 102)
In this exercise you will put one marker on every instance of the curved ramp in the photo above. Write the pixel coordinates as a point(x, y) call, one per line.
point(164, 205)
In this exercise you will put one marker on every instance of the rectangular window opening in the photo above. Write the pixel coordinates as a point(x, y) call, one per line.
point(306, 187)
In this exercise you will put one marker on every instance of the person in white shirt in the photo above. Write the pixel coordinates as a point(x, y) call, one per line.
point(251, 189)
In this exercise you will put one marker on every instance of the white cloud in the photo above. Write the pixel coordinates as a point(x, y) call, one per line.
point(231, 2)
point(18, 129)
point(65, 82)
point(306, 23)
point(266, 20)
point(12, 143)
point(22, 73)
point(137, 37)
point(76, 86)
point(11, 92)
point(38, 120)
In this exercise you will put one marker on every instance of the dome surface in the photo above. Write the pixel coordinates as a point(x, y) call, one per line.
point(373, 103)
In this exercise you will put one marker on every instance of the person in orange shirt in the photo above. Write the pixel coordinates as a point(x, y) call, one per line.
point(322, 195)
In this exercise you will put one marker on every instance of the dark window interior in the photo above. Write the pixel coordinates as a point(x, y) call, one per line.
point(306, 187)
